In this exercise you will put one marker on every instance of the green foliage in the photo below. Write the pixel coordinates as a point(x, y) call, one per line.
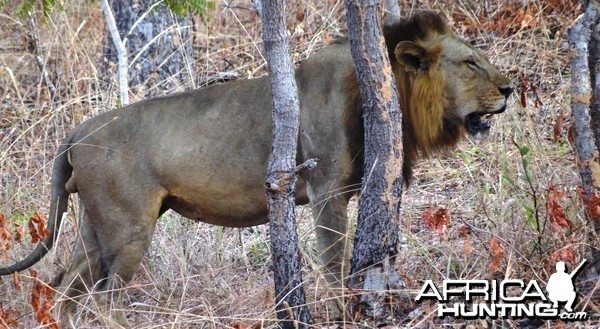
point(22, 219)
point(184, 7)
point(530, 204)
point(26, 7)
point(179, 7)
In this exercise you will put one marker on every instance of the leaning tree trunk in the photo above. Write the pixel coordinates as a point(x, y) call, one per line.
point(376, 241)
point(292, 310)
point(158, 45)
point(585, 92)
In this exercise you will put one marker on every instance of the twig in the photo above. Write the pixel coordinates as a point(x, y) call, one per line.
point(219, 77)
point(139, 20)
point(309, 164)
point(258, 6)
point(228, 6)
point(392, 12)
point(33, 47)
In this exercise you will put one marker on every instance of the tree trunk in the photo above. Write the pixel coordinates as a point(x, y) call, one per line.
point(158, 45)
point(292, 310)
point(376, 241)
point(582, 92)
point(595, 74)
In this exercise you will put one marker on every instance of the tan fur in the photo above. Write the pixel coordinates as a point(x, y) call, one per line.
point(204, 153)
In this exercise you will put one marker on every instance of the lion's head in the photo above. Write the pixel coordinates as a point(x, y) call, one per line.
point(446, 86)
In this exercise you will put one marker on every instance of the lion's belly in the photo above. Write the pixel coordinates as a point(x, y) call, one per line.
point(239, 207)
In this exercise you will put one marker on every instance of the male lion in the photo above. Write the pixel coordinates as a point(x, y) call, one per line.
point(204, 153)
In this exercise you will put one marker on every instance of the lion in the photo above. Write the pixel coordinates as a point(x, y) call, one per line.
point(204, 153)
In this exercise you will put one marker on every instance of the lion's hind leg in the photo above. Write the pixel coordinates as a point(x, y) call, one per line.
point(78, 278)
point(124, 230)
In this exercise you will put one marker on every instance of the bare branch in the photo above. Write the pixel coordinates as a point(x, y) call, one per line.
point(121, 52)
point(35, 51)
point(392, 12)
point(258, 6)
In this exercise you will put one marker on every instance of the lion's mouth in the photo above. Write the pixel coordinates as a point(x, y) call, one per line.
point(478, 122)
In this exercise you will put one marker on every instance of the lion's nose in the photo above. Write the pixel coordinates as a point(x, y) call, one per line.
point(506, 91)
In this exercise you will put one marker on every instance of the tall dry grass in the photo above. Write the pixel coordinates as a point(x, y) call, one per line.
point(197, 276)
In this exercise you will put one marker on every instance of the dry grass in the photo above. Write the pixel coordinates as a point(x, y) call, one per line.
point(197, 275)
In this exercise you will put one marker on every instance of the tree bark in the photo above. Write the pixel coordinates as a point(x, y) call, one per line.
point(158, 44)
point(595, 75)
point(376, 241)
point(582, 93)
point(292, 310)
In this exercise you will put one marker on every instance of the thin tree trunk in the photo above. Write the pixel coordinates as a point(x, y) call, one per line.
point(376, 241)
point(121, 51)
point(582, 92)
point(595, 74)
point(158, 44)
point(292, 310)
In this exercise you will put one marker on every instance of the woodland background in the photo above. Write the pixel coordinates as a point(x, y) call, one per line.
point(506, 206)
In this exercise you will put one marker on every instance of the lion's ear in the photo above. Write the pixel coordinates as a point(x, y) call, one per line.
point(414, 57)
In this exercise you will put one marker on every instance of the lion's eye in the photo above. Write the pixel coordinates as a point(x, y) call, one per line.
point(471, 62)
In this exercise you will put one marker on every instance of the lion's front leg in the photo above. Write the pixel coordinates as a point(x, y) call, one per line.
point(331, 219)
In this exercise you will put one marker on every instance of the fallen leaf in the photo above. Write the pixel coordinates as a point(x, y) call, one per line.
point(464, 232)
point(300, 15)
point(437, 221)
point(555, 211)
point(497, 254)
point(558, 126)
point(566, 254)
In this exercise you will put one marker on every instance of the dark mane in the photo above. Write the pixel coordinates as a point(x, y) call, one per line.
point(422, 25)
point(418, 27)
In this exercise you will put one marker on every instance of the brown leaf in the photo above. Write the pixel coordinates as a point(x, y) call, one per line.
point(16, 282)
point(558, 126)
point(37, 228)
point(240, 325)
point(437, 221)
point(464, 232)
point(556, 212)
point(35, 237)
point(19, 231)
point(566, 254)
point(8, 318)
point(41, 225)
point(5, 238)
point(523, 91)
point(497, 254)
point(42, 303)
point(300, 15)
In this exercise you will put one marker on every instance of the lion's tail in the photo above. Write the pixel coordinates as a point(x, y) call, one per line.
point(59, 202)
